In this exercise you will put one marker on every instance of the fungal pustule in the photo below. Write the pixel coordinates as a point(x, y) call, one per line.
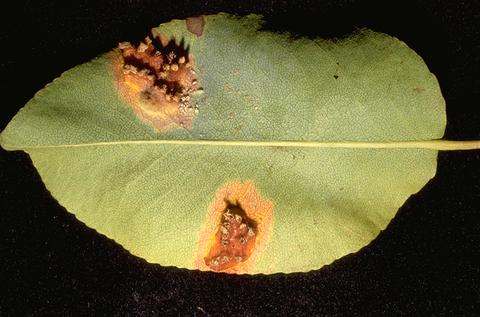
point(236, 231)
point(235, 239)
point(153, 77)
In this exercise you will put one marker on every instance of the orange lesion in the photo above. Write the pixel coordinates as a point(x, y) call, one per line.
point(157, 79)
point(237, 229)
point(237, 240)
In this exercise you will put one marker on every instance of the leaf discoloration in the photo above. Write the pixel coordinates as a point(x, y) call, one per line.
point(235, 239)
point(237, 229)
point(157, 79)
point(195, 25)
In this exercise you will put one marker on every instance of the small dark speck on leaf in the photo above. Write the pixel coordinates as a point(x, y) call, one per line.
point(335, 76)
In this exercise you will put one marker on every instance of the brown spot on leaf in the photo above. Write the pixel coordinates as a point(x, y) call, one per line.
point(157, 79)
point(237, 230)
point(236, 235)
point(195, 25)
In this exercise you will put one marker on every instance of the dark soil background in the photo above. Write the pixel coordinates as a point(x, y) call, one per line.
point(426, 263)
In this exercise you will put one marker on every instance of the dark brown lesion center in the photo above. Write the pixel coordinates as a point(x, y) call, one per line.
point(234, 240)
point(161, 70)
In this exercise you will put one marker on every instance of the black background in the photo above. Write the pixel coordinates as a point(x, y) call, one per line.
point(424, 263)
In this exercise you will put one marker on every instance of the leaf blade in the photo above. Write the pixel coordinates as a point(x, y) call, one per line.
point(324, 149)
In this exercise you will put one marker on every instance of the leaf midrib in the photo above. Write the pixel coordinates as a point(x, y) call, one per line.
point(439, 144)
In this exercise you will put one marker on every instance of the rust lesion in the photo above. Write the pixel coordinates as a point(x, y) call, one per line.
point(237, 229)
point(157, 78)
point(235, 239)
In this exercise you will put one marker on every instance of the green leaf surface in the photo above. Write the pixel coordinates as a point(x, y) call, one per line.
point(117, 175)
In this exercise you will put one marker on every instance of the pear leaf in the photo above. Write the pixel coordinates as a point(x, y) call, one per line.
point(216, 145)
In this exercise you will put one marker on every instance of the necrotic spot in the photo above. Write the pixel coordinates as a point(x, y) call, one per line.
point(235, 239)
point(157, 78)
point(236, 231)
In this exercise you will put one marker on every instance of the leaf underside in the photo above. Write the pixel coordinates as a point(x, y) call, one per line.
point(258, 86)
